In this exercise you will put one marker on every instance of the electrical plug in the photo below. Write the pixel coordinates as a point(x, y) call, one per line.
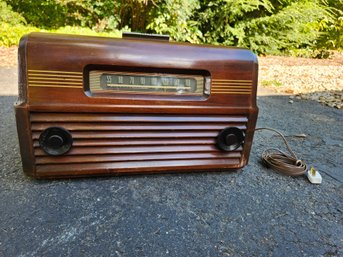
point(314, 176)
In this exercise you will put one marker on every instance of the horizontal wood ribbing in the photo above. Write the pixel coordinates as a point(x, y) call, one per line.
point(82, 117)
point(114, 138)
point(136, 157)
point(139, 142)
point(134, 149)
point(147, 166)
point(135, 127)
point(133, 135)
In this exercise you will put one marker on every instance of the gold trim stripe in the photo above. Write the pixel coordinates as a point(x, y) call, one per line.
point(44, 75)
point(230, 80)
point(54, 82)
point(231, 89)
point(53, 79)
point(228, 87)
point(219, 92)
point(231, 86)
point(56, 86)
point(54, 71)
point(232, 83)
point(234, 93)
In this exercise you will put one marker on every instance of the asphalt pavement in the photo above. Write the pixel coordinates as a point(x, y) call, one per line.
point(251, 212)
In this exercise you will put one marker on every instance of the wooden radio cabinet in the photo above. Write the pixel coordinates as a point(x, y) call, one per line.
point(104, 106)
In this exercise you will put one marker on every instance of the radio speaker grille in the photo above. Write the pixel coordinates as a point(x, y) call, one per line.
point(125, 143)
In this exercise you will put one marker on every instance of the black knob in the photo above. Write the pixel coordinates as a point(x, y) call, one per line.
point(55, 140)
point(229, 139)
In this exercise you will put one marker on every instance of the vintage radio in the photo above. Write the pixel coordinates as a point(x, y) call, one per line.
point(140, 104)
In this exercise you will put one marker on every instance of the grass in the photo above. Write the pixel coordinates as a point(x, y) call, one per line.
point(271, 83)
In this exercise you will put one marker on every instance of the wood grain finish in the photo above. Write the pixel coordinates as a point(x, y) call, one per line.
point(76, 117)
point(118, 133)
point(136, 157)
point(77, 170)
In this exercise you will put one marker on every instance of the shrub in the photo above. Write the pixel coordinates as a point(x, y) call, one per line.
point(11, 34)
point(295, 27)
point(9, 16)
point(332, 29)
point(266, 27)
point(41, 13)
point(52, 14)
point(175, 18)
point(85, 31)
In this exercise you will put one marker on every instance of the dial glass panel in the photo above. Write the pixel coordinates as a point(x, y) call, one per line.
point(147, 83)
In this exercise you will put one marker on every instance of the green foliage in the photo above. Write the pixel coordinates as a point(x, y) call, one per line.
point(332, 36)
point(10, 35)
point(12, 25)
point(293, 27)
point(85, 31)
point(52, 14)
point(9, 16)
point(42, 13)
point(134, 14)
point(221, 21)
point(260, 26)
point(174, 17)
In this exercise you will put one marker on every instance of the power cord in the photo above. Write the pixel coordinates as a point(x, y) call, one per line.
point(288, 164)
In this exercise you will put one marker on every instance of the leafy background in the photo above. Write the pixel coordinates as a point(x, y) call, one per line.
point(281, 27)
